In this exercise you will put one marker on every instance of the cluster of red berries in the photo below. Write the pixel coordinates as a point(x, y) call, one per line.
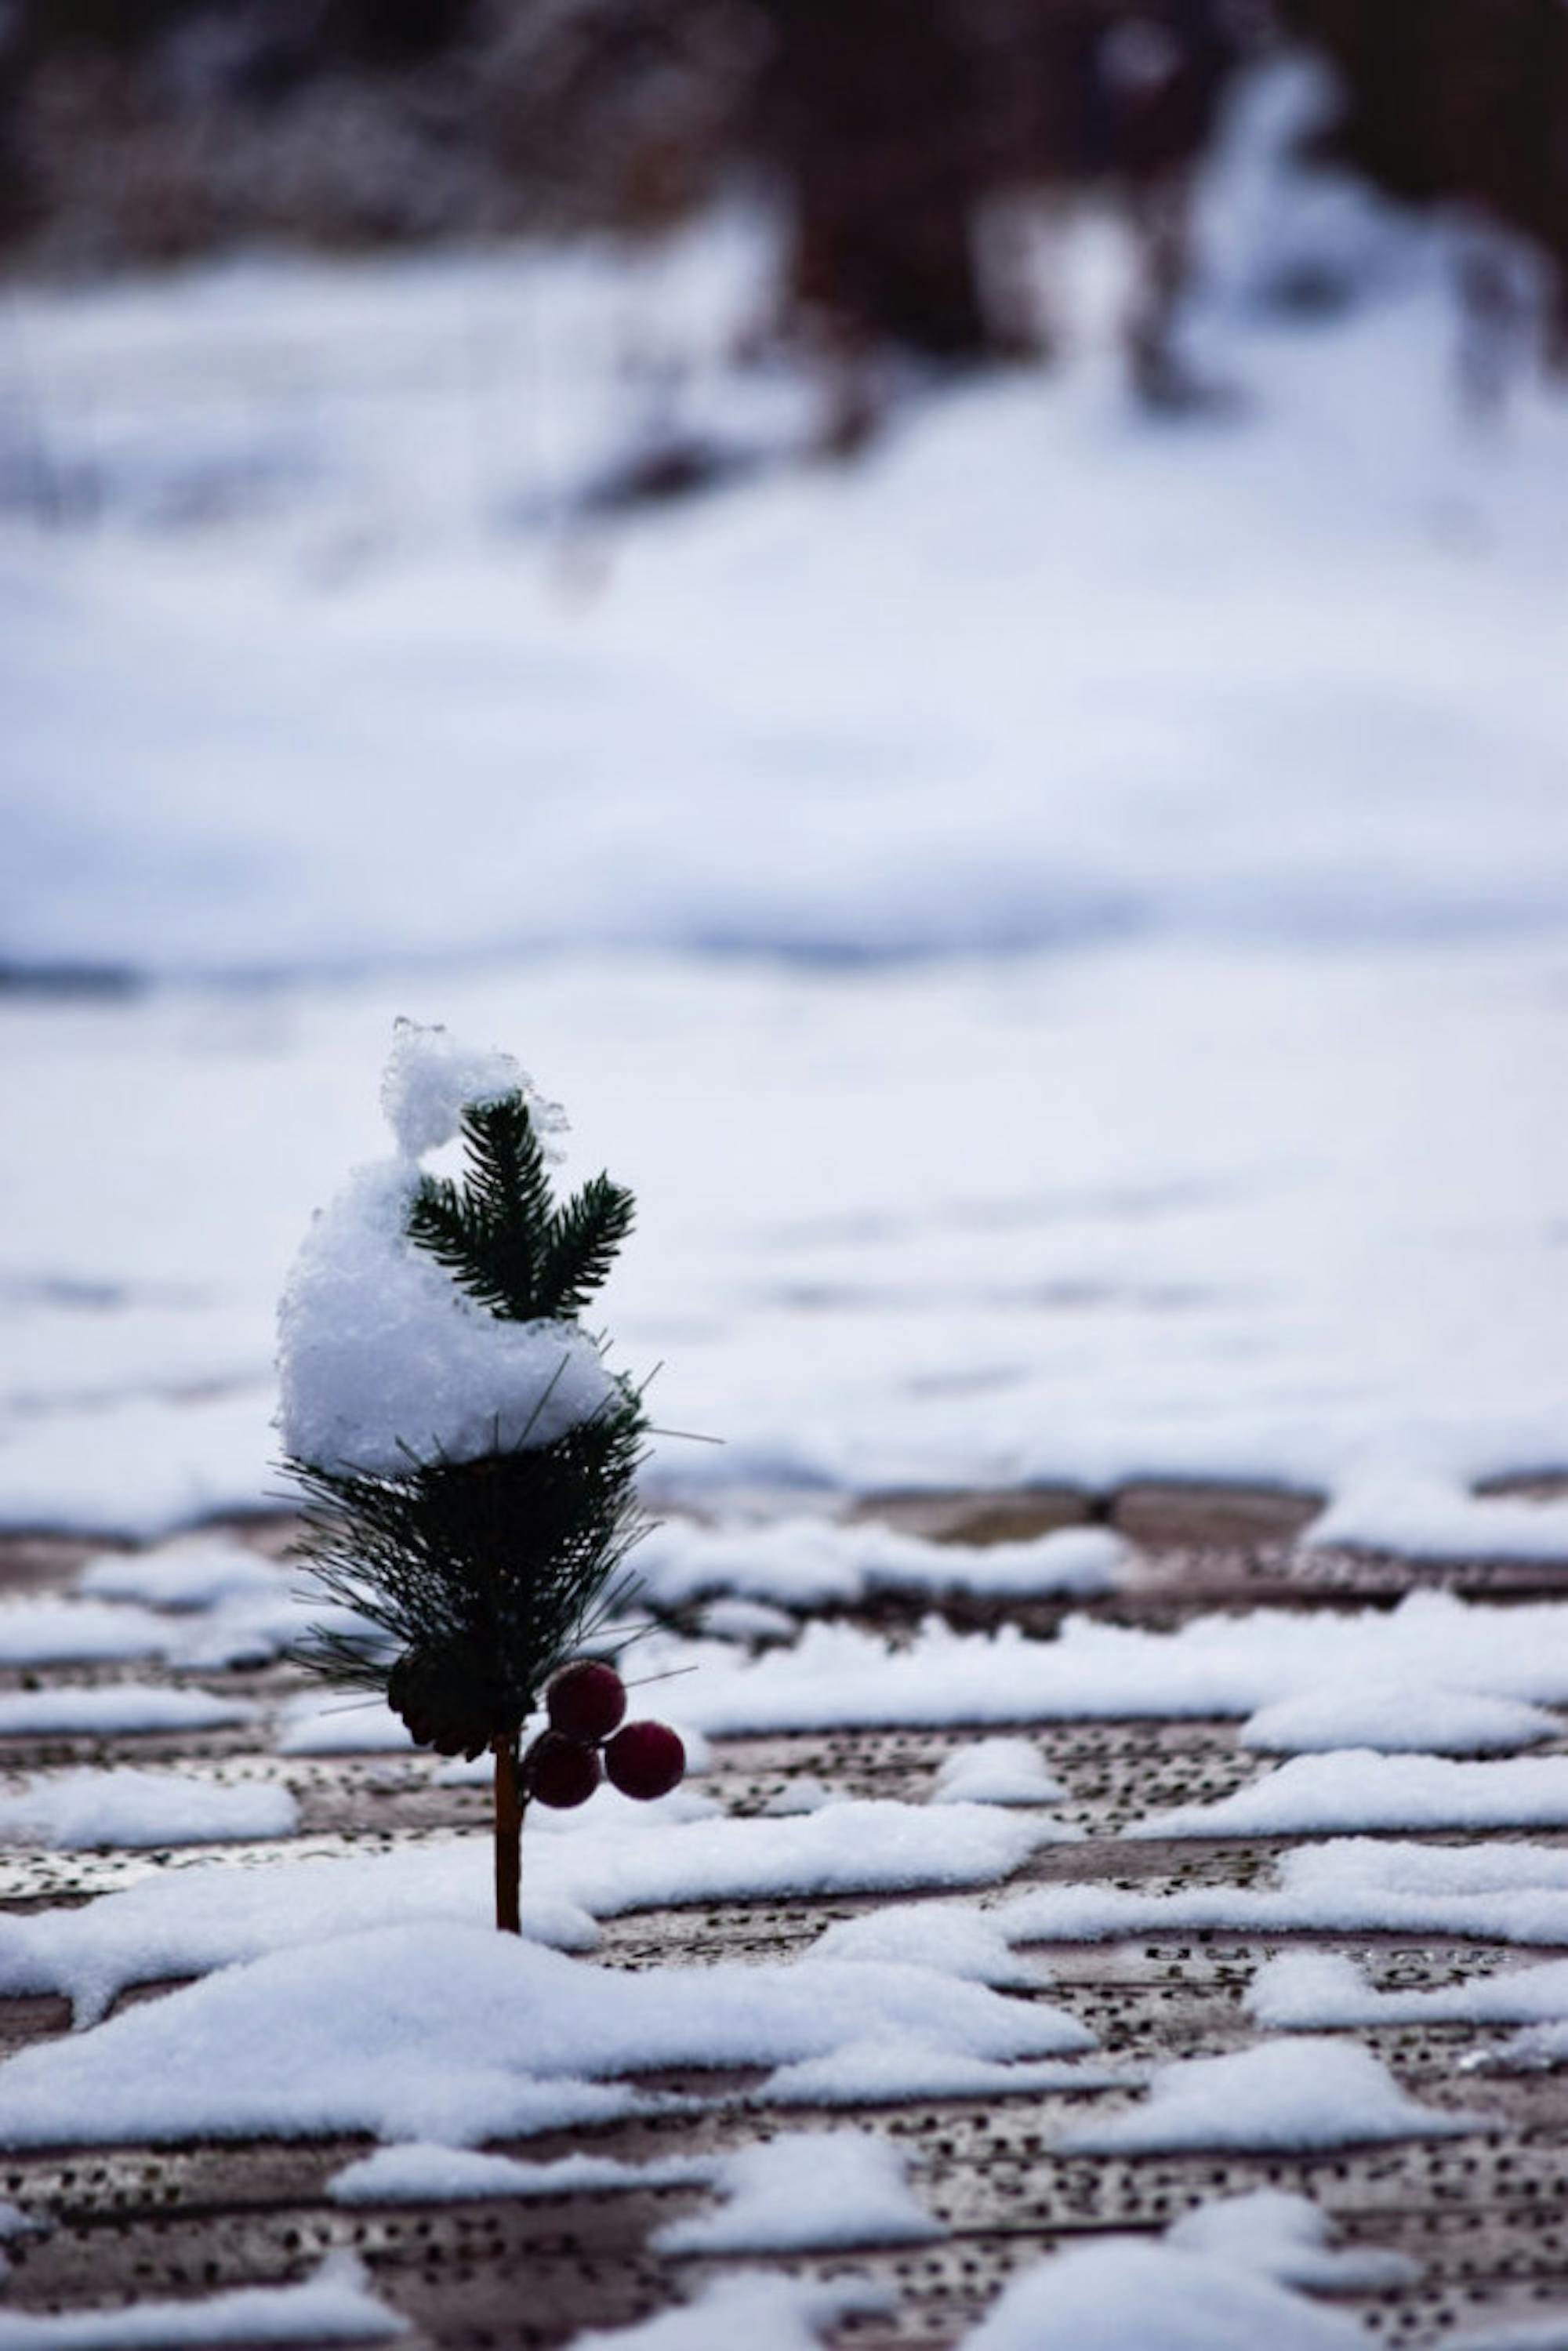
point(588, 1738)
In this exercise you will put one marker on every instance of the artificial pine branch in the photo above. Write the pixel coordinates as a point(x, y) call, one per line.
point(479, 1578)
point(581, 1244)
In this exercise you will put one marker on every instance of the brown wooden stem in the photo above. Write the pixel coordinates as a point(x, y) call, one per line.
point(509, 1810)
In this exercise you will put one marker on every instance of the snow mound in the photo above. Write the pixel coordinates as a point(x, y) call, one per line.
point(807, 2190)
point(836, 1675)
point(430, 2032)
point(83, 1810)
point(419, 2172)
point(1500, 1893)
point(805, 1562)
point(197, 1572)
point(1395, 1718)
point(333, 2307)
point(115, 1709)
point(610, 1859)
point(1299, 2094)
point(765, 2313)
point(1313, 1991)
point(1360, 1790)
point(1287, 2238)
point(891, 2068)
point(382, 1359)
point(997, 1772)
point(1128, 2296)
point(953, 1935)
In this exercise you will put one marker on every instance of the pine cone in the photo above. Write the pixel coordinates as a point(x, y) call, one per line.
point(451, 1699)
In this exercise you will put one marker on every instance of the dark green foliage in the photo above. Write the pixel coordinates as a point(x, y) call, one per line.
point(481, 1577)
point(499, 1233)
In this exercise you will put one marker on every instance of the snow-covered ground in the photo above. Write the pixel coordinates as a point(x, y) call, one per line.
point(1062, 925)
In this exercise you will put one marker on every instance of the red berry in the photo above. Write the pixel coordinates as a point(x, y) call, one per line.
point(645, 1759)
point(586, 1700)
point(559, 1772)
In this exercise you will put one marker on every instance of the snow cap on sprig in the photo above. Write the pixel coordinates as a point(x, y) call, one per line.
point(432, 1078)
point(383, 1358)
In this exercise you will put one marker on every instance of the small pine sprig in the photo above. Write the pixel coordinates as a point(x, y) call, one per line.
point(479, 1578)
point(499, 1233)
point(487, 1574)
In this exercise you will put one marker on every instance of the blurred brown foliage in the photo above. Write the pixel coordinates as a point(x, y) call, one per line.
point(887, 128)
point(1459, 101)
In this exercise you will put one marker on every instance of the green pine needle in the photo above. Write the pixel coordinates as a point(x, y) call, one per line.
point(515, 1558)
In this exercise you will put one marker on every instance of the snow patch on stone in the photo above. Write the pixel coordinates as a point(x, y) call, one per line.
point(995, 1771)
point(455, 2034)
point(806, 2191)
point(88, 1810)
point(1360, 1790)
point(1314, 1991)
point(419, 2172)
point(1128, 2295)
point(115, 1709)
point(601, 1862)
point(1289, 2239)
point(1287, 2094)
point(1397, 1718)
point(332, 2307)
point(806, 1561)
point(763, 2312)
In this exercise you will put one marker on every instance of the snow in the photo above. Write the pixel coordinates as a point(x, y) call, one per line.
point(1311, 1991)
point(200, 1604)
point(115, 1709)
point(196, 1572)
point(384, 1359)
point(1215, 1664)
point(1076, 1307)
point(248, 1628)
point(1128, 2295)
point(1399, 1509)
point(76, 1810)
point(1395, 1718)
point(764, 2311)
point(1059, 925)
point(995, 1771)
point(1500, 1892)
point(432, 1078)
point(1287, 2238)
point(1212, 2282)
point(209, 1601)
point(208, 1917)
point(805, 1562)
point(804, 1793)
point(332, 2307)
point(892, 2068)
point(607, 1860)
point(311, 1724)
point(47, 1631)
point(807, 2190)
point(1361, 1790)
point(1294, 2094)
point(954, 1936)
point(417, 2172)
point(434, 2032)
point(744, 1620)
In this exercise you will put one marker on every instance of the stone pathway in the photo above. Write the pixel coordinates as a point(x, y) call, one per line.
point(1485, 2214)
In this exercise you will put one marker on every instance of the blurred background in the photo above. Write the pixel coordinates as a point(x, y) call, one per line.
point(950, 614)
